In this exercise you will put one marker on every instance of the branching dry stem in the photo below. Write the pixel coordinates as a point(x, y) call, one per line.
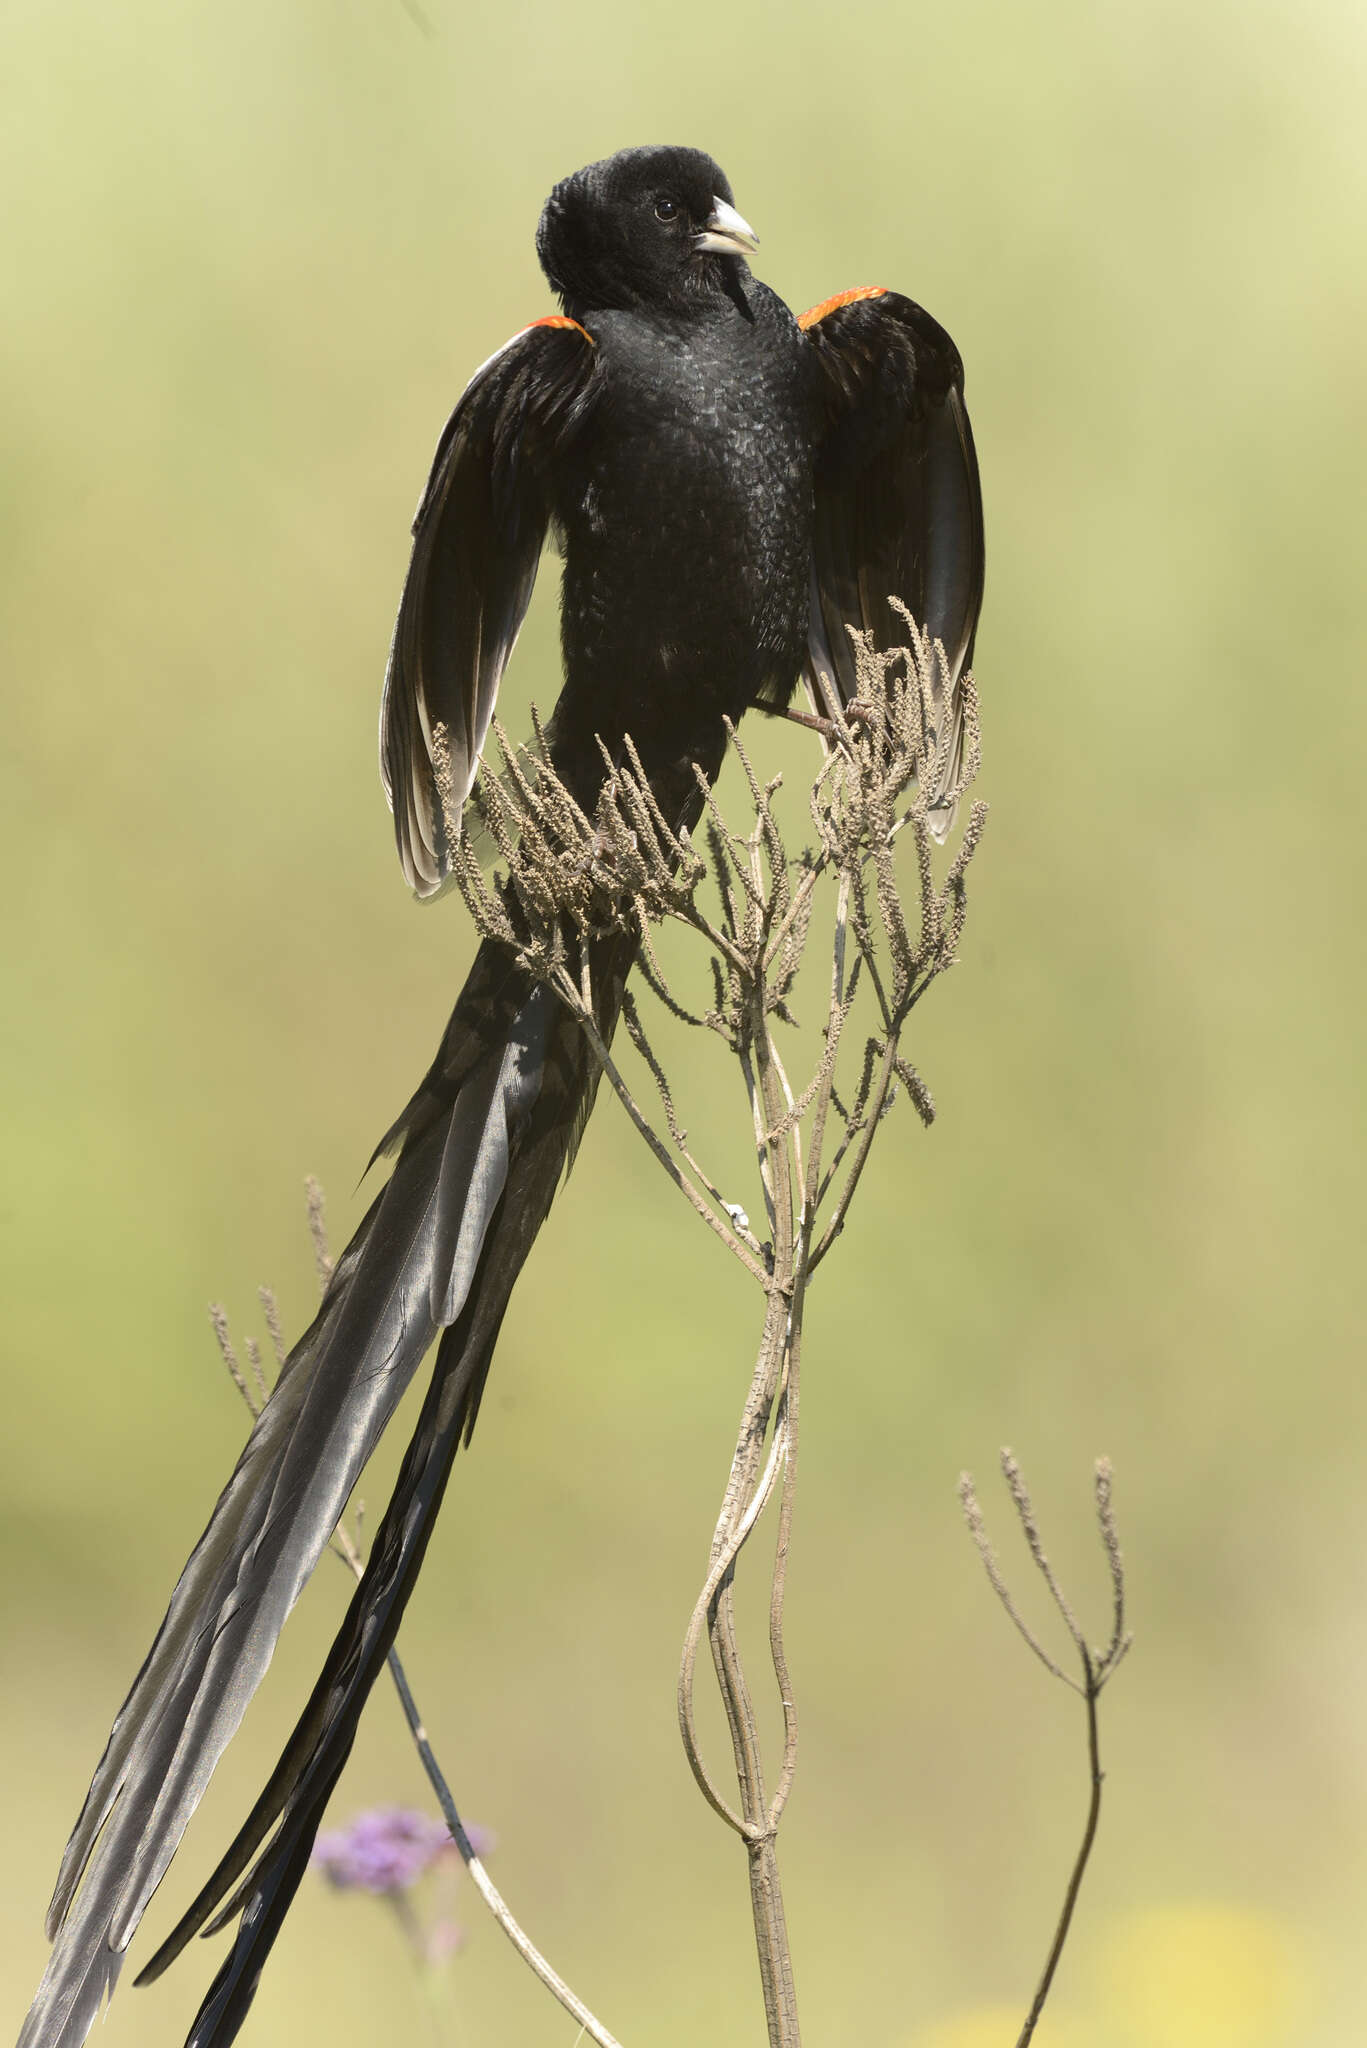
point(571, 881)
point(1098, 1666)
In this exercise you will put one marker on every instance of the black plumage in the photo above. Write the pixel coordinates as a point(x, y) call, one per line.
point(731, 488)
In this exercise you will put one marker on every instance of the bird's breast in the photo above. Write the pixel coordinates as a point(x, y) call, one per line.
point(686, 510)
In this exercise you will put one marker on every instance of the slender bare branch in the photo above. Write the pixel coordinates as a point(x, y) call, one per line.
point(218, 1316)
point(270, 1309)
point(977, 1529)
point(347, 1550)
point(724, 1230)
point(1097, 1668)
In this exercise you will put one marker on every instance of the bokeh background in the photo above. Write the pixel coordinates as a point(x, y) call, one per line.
point(249, 256)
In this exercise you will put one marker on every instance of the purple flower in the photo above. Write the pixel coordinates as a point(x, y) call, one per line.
point(385, 1849)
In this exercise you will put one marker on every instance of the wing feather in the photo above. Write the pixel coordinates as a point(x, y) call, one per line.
point(898, 508)
point(477, 538)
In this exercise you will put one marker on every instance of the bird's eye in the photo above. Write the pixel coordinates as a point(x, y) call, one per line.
point(666, 209)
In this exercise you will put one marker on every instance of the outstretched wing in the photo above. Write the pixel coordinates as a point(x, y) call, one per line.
point(477, 539)
point(898, 509)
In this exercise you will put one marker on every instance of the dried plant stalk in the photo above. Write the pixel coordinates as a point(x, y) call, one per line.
point(894, 925)
point(1098, 1665)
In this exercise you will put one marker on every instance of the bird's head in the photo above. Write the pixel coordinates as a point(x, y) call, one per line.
point(647, 227)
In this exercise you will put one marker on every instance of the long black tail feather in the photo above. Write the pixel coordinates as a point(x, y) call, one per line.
point(322, 1740)
point(356, 1661)
point(481, 1150)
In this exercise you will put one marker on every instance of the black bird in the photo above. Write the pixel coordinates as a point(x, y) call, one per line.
point(732, 487)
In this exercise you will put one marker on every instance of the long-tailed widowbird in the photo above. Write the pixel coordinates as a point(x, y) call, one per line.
point(732, 488)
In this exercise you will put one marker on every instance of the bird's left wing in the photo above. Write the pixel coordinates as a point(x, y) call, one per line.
point(477, 539)
point(898, 510)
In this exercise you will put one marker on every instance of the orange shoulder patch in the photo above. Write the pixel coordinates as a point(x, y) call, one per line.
point(561, 320)
point(860, 291)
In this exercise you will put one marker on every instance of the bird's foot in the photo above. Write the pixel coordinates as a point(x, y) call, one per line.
point(856, 713)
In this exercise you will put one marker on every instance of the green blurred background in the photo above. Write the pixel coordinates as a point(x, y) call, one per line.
point(250, 255)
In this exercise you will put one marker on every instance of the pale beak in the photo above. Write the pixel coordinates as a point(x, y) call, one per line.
point(726, 233)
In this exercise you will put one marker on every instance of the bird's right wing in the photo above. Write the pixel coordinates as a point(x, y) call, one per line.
point(477, 539)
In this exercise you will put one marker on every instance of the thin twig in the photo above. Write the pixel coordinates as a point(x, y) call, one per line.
point(1098, 1666)
point(218, 1316)
point(868, 1133)
point(322, 1257)
point(347, 1550)
point(636, 1032)
point(977, 1529)
point(734, 1533)
point(723, 1230)
point(270, 1308)
point(1090, 1692)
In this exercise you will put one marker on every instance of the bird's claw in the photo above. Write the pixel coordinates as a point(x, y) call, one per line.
point(855, 713)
